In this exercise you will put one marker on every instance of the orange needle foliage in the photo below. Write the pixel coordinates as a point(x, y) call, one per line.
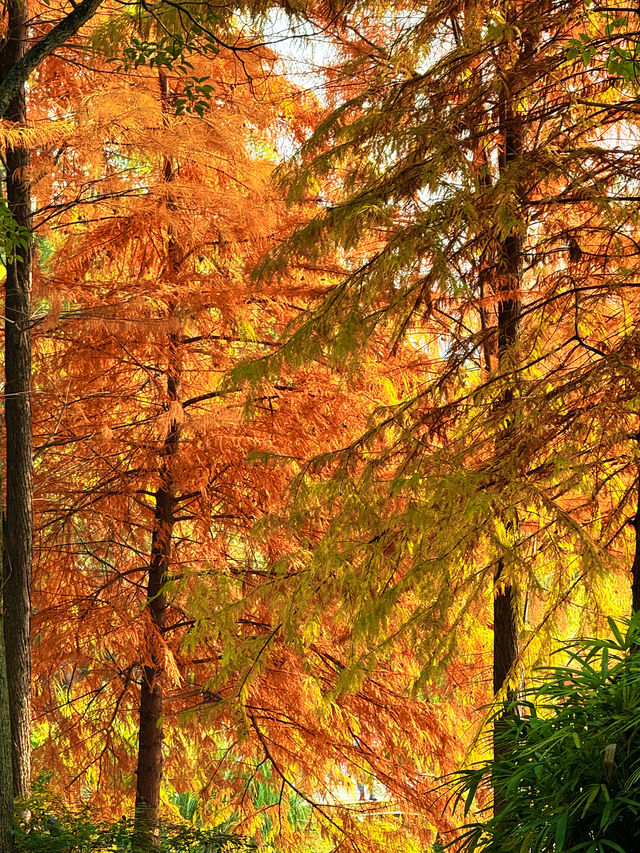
point(198, 619)
point(528, 459)
point(149, 224)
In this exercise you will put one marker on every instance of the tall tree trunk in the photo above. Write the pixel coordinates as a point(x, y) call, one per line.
point(149, 771)
point(635, 568)
point(6, 772)
point(17, 552)
point(508, 254)
point(508, 269)
point(505, 599)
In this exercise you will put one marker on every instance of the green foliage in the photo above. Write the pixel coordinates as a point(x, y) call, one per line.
point(570, 767)
point(165, 40)
point(583, 47)
point(13, 236)
point(46, 826)
point(622, 59)
point(187, 805)
point(167, 34)
point(166, 52)
point(197, 96)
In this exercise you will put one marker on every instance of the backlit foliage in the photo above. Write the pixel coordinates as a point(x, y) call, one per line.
point(149, 222)
point(280, 382)
point(449, 478)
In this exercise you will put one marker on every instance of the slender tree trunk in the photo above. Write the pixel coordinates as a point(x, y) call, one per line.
point(6, 772)
point(635, 568)
point(149, 771)
point(505, 599)
point(17, 552)
point(505, 592)
point(505, 633)
point(508, 253)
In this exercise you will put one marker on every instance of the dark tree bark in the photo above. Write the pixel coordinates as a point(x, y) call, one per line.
point(509, 263)
point(505, 601)
point(149, 770)
point(17, 551)
point(6, 772)
point(150, 738)
point(7, 844)
point(635, 568)
point(509, 273)
point(505, 633)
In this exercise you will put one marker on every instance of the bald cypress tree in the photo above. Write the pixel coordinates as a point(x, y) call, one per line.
point(468, 192)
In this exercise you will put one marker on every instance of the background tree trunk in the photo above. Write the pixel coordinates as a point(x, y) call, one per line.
point(508, 269)
point(635, 567)
point(17, 552)
point(6, 772)
point(149, 770)
point(505, 600)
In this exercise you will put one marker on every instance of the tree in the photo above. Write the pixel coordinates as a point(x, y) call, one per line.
point(19, 58)
point(150, 277)
point(183, 230)
point(17, 540)
point(480, 215)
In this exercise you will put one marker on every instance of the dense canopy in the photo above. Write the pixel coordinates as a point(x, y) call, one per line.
point(321, 425)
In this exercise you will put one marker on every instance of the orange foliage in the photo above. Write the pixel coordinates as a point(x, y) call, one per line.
point(144, 275)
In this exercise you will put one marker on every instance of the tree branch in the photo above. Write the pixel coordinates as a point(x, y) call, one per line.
point(17, 75)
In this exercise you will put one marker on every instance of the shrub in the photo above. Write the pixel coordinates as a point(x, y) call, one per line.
point(47, 826)
point(568, 769)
